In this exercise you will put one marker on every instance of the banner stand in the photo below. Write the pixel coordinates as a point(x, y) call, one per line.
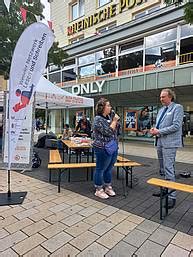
point(12, 198)
point(27, 66)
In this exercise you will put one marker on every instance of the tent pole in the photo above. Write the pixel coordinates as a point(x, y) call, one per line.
point(46, 117)
point(93, 112)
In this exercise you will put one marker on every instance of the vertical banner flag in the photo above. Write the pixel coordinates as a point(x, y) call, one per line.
point(28, 64)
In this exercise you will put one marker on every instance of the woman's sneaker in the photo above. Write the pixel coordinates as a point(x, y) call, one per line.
point(110, 191)
point(101, 193)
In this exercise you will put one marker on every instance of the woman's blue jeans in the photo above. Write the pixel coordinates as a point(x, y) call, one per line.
point(104, 166)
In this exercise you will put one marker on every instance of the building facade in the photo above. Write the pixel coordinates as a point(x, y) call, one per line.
point(148, 48)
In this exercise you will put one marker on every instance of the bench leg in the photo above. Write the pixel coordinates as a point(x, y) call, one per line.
point(117, 172)
point(50, 175)
point(87, 173)
point(166, 202)
point(59, 179)
point(126, 176)
point(68, 175)
point(161, 203)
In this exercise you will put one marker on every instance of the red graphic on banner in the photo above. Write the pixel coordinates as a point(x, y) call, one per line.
point(25, 97)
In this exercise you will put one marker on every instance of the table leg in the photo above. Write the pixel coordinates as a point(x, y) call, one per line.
point(131, 170)
point(69, 157)
point(70, 152)
point(92, 155)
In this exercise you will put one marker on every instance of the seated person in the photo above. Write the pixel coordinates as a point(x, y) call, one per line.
point(67, 132)
point(84, 127)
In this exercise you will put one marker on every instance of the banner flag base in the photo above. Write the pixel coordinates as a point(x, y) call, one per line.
point(14, 199)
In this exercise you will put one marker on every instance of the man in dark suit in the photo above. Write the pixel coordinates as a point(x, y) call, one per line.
point(168, 134)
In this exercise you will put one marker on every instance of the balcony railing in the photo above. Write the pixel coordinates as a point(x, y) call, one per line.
point(186, 58)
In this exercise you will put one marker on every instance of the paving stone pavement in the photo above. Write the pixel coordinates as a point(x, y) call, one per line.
point(71, 224)
point(138, 200)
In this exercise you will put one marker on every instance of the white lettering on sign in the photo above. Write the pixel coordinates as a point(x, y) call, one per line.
point(88, 88)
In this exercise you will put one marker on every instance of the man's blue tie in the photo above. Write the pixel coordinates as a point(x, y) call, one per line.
point(161, 117)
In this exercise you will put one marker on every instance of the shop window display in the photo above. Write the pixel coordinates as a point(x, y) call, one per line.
point(161, 56)
point(130, 61)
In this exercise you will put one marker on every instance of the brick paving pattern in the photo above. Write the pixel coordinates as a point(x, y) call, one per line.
point(76, 223)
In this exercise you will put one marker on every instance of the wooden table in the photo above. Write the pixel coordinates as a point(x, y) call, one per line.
point(78, 148)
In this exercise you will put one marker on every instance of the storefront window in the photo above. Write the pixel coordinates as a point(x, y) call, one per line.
point(162, 37)
point(69, 62)
point(132, 60)
point(186, 30)
point(131, 47)
point(106, 66)
point(108, 52)
point(68, 75)
point(86, 71)
point(55, 77)
point(139, 120)
point(160, 54)
point(90, 58)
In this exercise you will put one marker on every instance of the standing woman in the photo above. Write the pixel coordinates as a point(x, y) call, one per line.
point(105, 130)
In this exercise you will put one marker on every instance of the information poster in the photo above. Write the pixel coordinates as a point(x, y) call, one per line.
point(130, 120)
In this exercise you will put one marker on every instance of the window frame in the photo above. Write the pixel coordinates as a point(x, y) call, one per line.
point(106, 27)
point(73, 3)
point(99, 6)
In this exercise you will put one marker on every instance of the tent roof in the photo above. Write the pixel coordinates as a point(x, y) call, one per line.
point(57, 98)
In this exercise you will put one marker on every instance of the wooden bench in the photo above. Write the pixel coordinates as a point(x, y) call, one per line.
point(164, 186)
point(54, 158)
point(121, 159)
point(127, 167)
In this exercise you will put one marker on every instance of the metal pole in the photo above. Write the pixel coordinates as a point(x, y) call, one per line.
point(46, 118)
point(9, 183)
point(9, 152)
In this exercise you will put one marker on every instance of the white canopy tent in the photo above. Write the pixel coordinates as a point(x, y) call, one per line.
point(50, 96)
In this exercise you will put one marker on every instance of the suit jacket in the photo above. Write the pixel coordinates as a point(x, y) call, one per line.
point(170, 128)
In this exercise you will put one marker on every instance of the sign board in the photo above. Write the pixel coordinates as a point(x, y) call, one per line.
point(103, 15)
point(88, 88)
